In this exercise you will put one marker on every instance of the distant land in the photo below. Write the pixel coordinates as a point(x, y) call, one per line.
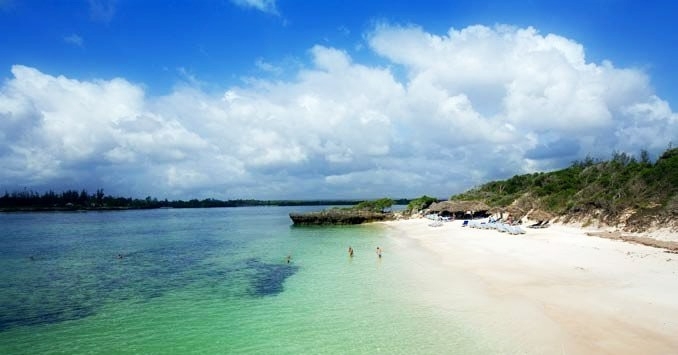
point(73, 200)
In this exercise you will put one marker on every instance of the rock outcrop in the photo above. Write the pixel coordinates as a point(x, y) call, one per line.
point(339, 217)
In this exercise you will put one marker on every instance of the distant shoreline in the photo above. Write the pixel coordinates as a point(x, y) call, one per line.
point(209, 203)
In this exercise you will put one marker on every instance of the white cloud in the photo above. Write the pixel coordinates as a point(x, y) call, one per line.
point(475, 104)
point(267, 67)
point(267, 6)
point(74, 40)
point(102, 10)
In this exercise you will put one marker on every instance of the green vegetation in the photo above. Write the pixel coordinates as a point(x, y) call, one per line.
point(28, 200)
point(380, 205)
point(608, 189)
point(420, 203)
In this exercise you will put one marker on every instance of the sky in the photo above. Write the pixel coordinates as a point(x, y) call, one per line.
point(288, 99)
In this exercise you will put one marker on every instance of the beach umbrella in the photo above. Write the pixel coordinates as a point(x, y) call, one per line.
point(495, 210)
point(436, 207)
point(539, 215)
point(514, 211)
point(463, 206)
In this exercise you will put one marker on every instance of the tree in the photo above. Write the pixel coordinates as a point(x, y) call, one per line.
point(100, 196)
point(420, 203)
point(379, 205)
point(645, 158)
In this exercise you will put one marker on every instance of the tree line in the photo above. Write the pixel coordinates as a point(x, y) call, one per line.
point(83, 200)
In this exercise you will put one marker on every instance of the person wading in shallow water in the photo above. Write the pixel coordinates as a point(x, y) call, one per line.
point(379, 252)
point(350, 251)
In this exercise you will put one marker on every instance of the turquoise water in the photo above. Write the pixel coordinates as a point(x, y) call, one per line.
point(210, 281)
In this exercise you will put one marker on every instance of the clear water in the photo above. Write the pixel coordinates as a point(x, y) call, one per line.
point(210, 281)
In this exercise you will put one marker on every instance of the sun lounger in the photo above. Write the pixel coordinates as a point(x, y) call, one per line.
point(501, 227)
point(518, 230)
point(536, 225)
point(436, 224)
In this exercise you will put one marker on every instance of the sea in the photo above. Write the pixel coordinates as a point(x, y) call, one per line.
point(214, 281)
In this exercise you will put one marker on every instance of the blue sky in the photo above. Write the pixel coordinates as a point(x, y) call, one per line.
point(328, 99)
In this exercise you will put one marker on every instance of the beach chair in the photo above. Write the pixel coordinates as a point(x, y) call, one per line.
point(465, 224)
point(501, 227)
point(536, 225)
point(437, 223)
point(519, 230)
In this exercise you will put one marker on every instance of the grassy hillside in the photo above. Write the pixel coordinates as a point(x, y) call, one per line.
point(633, 193)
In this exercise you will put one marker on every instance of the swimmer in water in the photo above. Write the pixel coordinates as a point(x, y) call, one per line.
point(350, 251)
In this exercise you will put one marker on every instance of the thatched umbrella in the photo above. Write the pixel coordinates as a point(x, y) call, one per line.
point(474, 206)
point(459, 207)
point(539, 215)
point(514, 211)
point(495, 210)
point(437, 206)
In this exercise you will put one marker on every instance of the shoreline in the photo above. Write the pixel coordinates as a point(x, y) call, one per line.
point(551, 290)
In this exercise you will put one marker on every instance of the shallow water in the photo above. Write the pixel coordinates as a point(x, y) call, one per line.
point(210, 281)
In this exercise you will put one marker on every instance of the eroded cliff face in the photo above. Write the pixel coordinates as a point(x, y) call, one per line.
point(629, 220)
point(652, 216)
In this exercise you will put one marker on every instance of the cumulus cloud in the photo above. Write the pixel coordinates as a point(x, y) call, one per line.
point(267, 67)
point(102, 10)
point(267, 6)
point(74, 40)
point(475, 104)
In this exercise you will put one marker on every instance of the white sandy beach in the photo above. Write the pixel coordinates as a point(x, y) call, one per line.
point(552, 290)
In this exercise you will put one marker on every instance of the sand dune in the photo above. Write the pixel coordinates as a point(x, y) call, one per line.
point(552, 290)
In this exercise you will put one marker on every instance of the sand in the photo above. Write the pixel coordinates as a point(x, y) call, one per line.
point(553, 290)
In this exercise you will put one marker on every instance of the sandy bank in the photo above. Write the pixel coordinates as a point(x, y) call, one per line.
point(553, 290)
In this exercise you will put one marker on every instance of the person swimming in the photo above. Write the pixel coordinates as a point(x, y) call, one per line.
point(350, 251)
